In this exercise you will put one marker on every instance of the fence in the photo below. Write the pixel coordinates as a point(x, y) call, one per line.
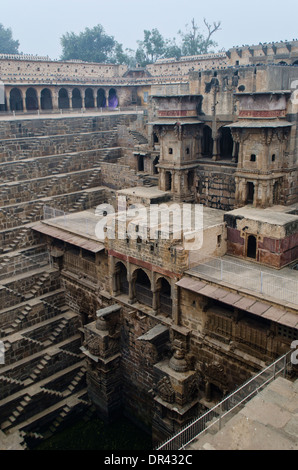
point(24, 263)
point(259, 280)
point(74, 222)
point(78, 111)
point(221, 413)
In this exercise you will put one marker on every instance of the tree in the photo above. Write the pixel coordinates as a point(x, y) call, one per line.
point(91, 45)
point(194, 42)
point(152, 48)
point(7, 44)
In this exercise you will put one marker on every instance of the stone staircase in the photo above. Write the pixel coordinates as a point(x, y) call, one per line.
point(139, 138)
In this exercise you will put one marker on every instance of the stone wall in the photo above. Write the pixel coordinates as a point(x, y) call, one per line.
point(216, 186)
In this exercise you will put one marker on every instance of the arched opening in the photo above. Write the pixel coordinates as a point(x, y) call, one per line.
point(295, 63)
point(282, 63)
point(226, 143)
point(101, 98)
point(46, 99)
point(31, 100)
point(250, 193)
point(276, 193)
point(165, 297)
point(113, 99)
point(76, 99)
point(168, 181)
point(207, 144)
point(140, 162)
point(63, 99)
point(143, 291)
point(16, 101)
point(121, 279)
point(155, 163)
point(190, 180)
point(89, 98)
point(252, 247)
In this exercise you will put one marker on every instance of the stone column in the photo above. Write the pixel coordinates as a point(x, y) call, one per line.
point(38, 92)
point(175, 308)
point(23, 101)
point(7, 98)
point(131, 288)
point(70, 98)
point(215, 151)
point(55, 99)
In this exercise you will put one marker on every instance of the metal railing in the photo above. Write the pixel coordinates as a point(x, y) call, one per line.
point(222, 412)
point(239, 273)
point(25, 263)
point(78, 111)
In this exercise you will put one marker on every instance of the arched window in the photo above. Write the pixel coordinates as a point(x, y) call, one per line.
point(207, 144)
point(226, 143)
point(113, 99)
point(165, 298)
point(31, 100)
point(252, 247)
point(101, 98)
point(76, 98)
point(89, 98)
point(16, 101)
point(63, 99)
point(46, 99)
point(121, 279)
point(143, 291)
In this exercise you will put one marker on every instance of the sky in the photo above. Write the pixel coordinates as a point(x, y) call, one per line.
point(39, 24)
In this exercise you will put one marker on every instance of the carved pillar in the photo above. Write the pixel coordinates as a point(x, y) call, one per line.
point(70, 98)
point(23, 101)
point(55, 98)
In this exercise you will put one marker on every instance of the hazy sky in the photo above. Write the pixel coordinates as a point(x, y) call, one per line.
point(39, 24)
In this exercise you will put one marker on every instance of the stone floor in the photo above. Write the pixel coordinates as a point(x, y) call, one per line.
point(267, 422)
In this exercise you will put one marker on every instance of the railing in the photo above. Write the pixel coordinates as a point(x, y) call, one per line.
point(78, 111)
point(221, 412)
point(239, 273)
point(25, 263)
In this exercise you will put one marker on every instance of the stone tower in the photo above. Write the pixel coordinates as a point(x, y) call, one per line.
point(179, 133)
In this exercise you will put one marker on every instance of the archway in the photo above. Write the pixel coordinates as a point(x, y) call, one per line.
point(46, 99)
point(113, 99)
point(276, 193)
point(252, 247)
point(207, 145)
point(168, 181)
point(89, 98)
point(165, 298)
point(190, 180)
point(16, 100)
point(63, 99)
point(31, 100)
point(143, 291)
point(140, 162)
point(295, 63)
point(76, 98)
point(250, 193)
point(121, 279)
point(101, 98)
point(226, 143)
